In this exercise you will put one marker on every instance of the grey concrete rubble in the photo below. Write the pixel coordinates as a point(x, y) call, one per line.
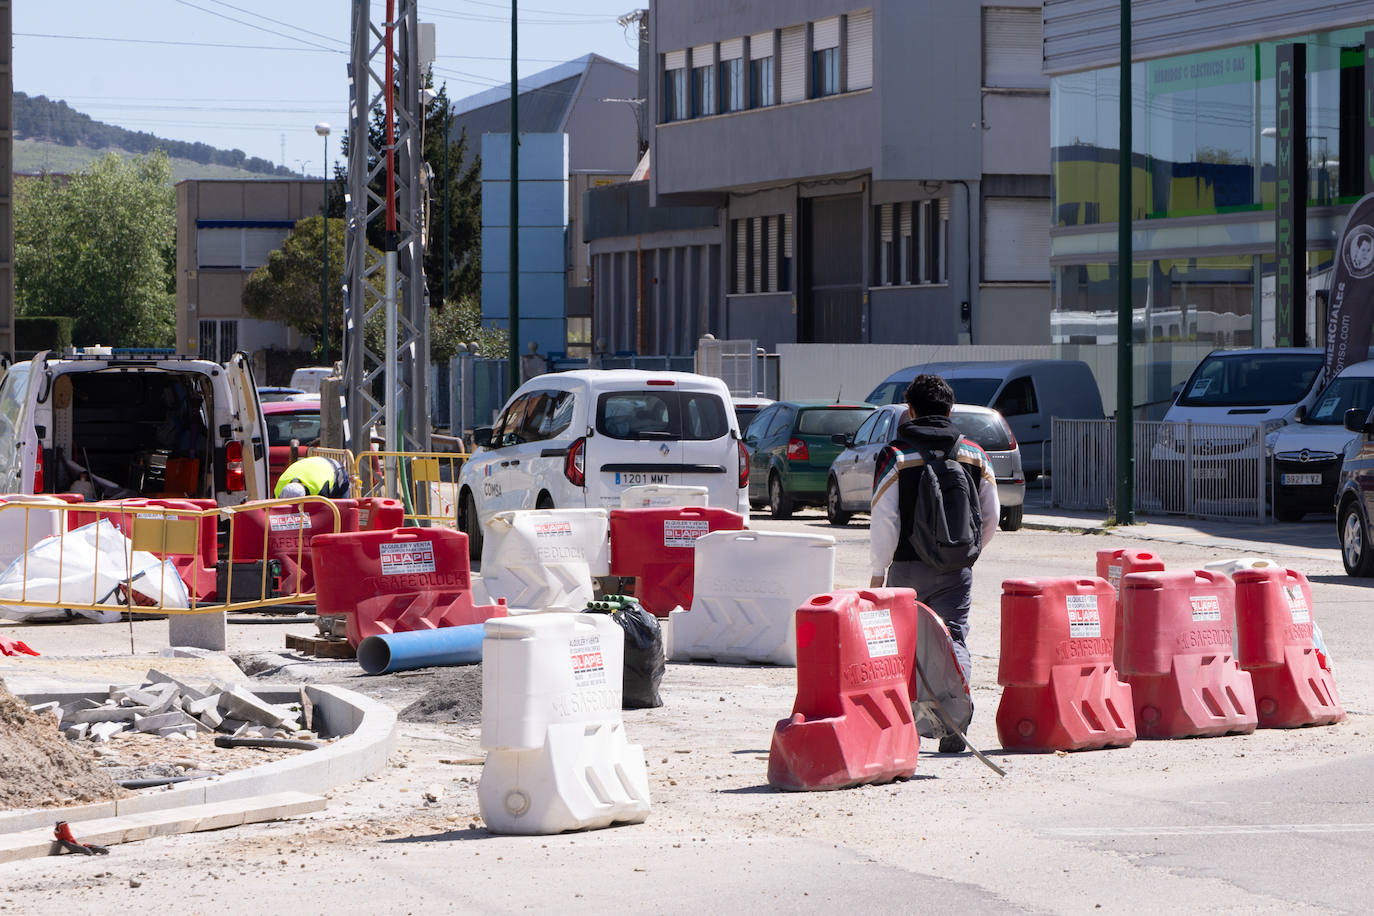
point(165, 706)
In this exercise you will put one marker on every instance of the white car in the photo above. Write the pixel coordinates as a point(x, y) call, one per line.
point(578, 439)
point(1307, 453)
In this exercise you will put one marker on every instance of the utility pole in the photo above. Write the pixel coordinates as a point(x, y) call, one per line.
point(514, 207)
point(1125, 325)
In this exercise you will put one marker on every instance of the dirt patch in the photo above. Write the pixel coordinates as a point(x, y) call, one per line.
point(39, 767)
point(452, 695)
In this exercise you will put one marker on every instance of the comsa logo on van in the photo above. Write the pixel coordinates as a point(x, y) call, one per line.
point(416, 557)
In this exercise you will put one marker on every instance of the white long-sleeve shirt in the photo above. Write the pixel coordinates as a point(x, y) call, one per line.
point(885, 522)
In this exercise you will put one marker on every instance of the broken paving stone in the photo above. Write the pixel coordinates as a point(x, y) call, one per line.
point(155, 676)
point(109, 714)
point(103, 731)
point(239, 703)
point(76, 732)
point(165, 720)
point(185, 730)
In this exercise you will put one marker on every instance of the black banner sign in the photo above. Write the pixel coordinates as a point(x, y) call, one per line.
point(1350, 313)
point(1290, 207)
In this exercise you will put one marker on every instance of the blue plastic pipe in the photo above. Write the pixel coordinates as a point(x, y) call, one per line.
point(422, 649)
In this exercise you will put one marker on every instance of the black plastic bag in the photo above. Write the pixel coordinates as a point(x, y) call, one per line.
point(644, 662)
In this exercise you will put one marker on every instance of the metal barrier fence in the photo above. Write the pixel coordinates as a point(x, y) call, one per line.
point(91, 563)
point(425, 482)
point(1211, 470)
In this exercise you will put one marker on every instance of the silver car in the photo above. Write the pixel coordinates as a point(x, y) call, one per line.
point(849, 488)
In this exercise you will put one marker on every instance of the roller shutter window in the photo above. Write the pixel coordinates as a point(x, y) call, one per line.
point(756, 250)
point(771, 225)
point(785, 269)
point(859, 37)
point(761, 81)
point(741, 256)
point(904, 244)
point(1013, 56)
point(219, 248)
point(943, 240)
point(703, 81)
point(1016, 240)
point(732, 88)
point(885, 243)
point(258, 244)
point(793, 64)
point(675, 86)
point(732, 49)
point(825, 33)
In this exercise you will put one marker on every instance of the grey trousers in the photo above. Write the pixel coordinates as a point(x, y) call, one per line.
point(948, 594)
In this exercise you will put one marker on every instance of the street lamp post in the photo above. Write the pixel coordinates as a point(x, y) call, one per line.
point(322, 129)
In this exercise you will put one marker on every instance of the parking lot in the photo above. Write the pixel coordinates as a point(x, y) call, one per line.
point(1233, 824)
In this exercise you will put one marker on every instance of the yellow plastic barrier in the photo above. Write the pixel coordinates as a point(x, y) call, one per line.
point(425, 482)
point(91, 563)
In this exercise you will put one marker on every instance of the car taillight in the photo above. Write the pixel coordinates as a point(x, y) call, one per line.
point(743, 465)
point(797, 450)
point(38, 473)
point(575, 463)
point(1011, 436)
point(233, 467)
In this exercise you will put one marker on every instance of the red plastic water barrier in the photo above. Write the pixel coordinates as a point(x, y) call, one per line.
point(1274, 643)
point(1112, 565)
point(851, 723)
point(194, 559)
point(1178, 658)
point(396, 581)
point(658, 547)
point(288, 532)
point(1060, 688)
point(376, 513)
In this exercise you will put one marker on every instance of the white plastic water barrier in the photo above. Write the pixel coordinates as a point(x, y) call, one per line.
point(1236, 564)
point(746, 592)
point(23, 523)
point(656, 495)
point(557, 755)
point(544, 559)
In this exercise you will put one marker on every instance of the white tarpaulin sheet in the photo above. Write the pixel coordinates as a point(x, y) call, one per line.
point(88, 566)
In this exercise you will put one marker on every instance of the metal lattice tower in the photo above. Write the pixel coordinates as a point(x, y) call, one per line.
point(365, 283)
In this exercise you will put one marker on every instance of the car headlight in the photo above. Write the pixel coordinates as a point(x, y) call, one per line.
point(1273, 426)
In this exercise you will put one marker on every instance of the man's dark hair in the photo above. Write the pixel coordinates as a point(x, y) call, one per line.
point(929, 395)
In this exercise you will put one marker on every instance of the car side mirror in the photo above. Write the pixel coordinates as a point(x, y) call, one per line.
point(481, 436)
point(844, 440)
point(1355, 420)
point(1301, 413)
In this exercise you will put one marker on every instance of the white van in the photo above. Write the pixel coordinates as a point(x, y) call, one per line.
point(117, 423)
point(578, 439)
point(1307, 452)
point(308, 378)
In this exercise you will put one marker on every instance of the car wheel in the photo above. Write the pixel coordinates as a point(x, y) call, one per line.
point(779, 503)
point(467, 521)
point(1011, 518)
point(1355, 546)
point(834, 509)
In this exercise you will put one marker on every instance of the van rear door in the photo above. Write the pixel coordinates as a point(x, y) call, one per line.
point(251, 431)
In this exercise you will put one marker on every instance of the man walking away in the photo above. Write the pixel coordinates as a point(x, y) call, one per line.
point(934, 508)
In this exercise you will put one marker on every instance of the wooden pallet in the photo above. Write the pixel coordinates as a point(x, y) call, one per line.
point(320, 646)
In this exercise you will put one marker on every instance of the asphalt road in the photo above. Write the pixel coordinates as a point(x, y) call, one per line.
point(1277, 821)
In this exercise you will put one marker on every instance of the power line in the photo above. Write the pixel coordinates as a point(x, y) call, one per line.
point(279, 22)
point(184, 44)
point(190, 5)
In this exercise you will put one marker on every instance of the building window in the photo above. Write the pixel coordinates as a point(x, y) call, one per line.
point(705, 101)
point(859, 51)
point(761, 82)
point(219, 340)
point(238, 248)
point(763, 254)
point(825, 72)
point(675, 95)
point(732, 84)
point(910, 243)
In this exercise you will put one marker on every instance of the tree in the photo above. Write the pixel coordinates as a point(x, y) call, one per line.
point(461, 323)
point(97, 249)
point(465, 203)
point(287, 287)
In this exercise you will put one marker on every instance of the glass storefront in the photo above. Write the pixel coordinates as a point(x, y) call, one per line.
point(1203, 192)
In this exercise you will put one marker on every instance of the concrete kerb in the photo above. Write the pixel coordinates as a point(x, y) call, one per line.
point(366, 730)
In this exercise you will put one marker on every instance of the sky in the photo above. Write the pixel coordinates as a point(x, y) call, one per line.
point(257, 75)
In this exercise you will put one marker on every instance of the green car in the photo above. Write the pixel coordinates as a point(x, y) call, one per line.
point(790, 451)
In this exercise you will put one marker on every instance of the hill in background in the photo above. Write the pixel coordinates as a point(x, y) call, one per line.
point(52, 136)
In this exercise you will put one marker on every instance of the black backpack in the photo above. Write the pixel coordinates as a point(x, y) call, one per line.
point(946, 523)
